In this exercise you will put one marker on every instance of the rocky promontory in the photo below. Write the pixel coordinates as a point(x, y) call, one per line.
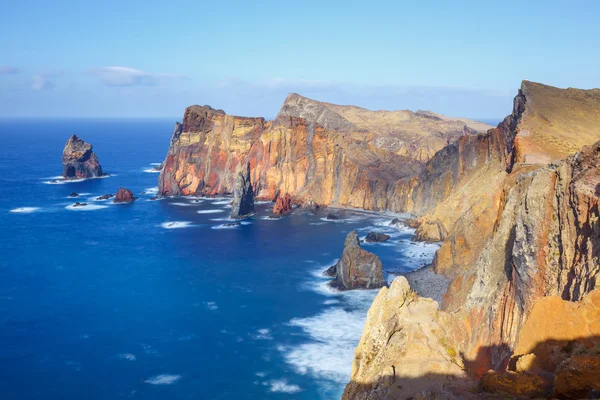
point(357, 268)
point(79, 160)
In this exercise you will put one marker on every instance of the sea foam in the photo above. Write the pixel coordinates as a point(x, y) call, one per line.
point(25, 210)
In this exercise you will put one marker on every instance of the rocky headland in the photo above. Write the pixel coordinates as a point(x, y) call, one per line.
point(79, 160)
point(515, 207)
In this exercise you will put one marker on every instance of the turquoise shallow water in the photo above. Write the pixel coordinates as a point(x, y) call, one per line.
point(157, 299)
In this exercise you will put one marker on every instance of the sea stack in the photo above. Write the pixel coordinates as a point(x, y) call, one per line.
point(283, 205)
point(243, 195)
point(124, 196)
point(79, 161)
point(357, 268)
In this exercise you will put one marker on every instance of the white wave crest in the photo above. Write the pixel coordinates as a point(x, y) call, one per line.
point(25, 210)
point(163, 379)
point(210, 211)
point(88, 207)
point(176, 224)
point(282, 386)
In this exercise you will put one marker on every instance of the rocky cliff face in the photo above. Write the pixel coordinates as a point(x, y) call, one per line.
point(314, 151)
point(514, 232)
point(79, 161)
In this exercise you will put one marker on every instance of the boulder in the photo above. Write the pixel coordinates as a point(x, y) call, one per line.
point(124, 196)
point(79, 161)
point(376, 237)
point(243, 195)
point(357, 268)
point(283, 205)
point(578, 378)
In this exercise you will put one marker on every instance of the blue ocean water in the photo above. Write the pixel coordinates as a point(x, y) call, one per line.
point(157, 299)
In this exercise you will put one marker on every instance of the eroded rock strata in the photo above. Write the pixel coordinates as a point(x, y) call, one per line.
point(283, 205)
point(314, 151)
point(79, 160)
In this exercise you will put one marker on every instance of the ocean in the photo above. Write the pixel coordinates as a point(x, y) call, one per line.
point(161, 299)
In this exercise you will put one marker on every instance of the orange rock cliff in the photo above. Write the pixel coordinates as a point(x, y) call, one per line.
point(515, 207)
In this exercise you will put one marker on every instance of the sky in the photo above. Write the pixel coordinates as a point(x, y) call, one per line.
point(151, 58)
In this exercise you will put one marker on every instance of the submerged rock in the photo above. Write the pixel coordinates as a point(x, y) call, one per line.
point(376, 237)
point(243, 195)
point(79, 161)
point(74, 194)
point(124, 196)
point(283, 205)
point(105, 196)
point(78, 204)
point(332, 217)
point(357, 268)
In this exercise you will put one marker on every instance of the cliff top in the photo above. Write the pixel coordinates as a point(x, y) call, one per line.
point(556, 122)
point(380, 122)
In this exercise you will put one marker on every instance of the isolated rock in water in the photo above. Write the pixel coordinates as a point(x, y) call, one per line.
point(357, 268)
point(74, 194)
point(375, 237)
point(283, 205)
point(78, 204)
point(395, 222)
point(332, 217)
point(79, 161)
point(243, 195)
point(105, 196)
point(124, 196)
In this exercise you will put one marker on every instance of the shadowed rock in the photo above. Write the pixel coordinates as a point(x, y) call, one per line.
point(376, 237)
point(357, 268)
point(283, 205)
point(79, 161)
point(243, 195)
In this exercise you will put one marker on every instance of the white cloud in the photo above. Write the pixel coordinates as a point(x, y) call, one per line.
point(7, 70)
point(125, 76)
point(44, 80)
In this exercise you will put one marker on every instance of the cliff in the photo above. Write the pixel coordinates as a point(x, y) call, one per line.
point(514, 231)
point(79, 160)
point(313, 151)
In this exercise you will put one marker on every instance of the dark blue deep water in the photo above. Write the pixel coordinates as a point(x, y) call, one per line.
point(156, 299)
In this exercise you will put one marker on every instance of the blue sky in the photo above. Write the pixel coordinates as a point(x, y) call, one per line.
point(153, 58)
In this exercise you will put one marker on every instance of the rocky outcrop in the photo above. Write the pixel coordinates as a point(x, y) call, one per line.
point(283, 205)
point(376, 237)
point(123, 196)
point(243, 195)
point(357, 268)
point(79, 161)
